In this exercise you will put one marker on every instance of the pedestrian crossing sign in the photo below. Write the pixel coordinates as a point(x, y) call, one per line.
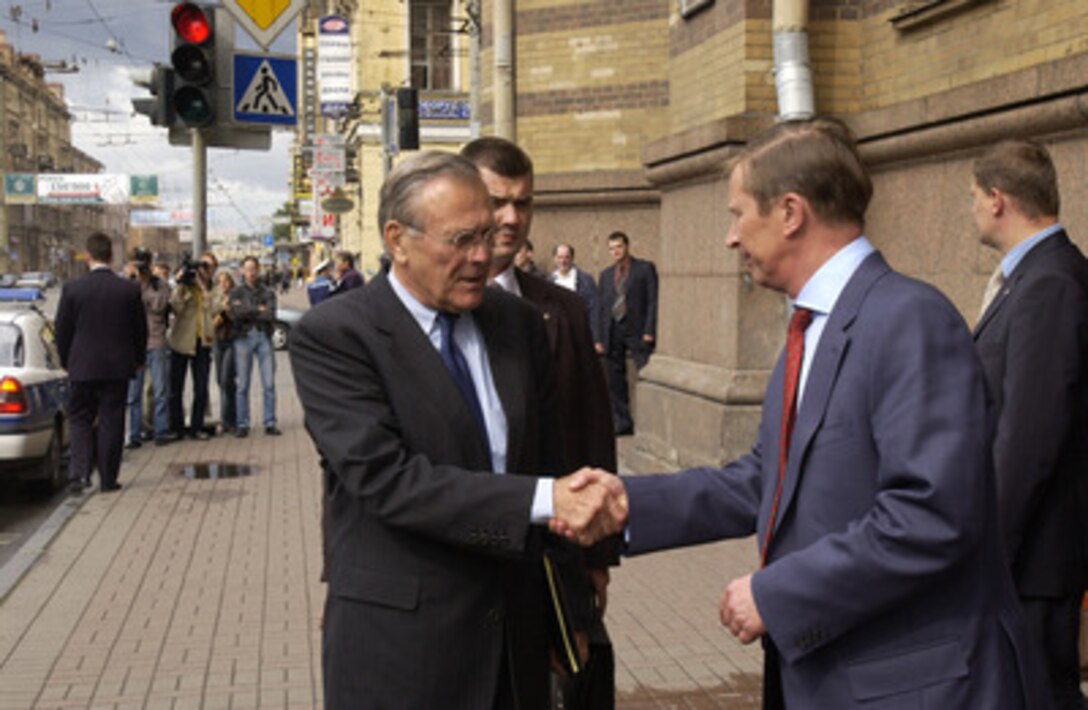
point(265, 89)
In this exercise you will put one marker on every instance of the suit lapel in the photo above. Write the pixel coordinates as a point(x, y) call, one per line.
point(822, 376)
point(1059, 240)
point(412, 348)
point(536, 292)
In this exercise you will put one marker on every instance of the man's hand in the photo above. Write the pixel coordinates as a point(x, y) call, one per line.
point(648, 339)
point(739, 613)
point(589, 505)
point(599, 347)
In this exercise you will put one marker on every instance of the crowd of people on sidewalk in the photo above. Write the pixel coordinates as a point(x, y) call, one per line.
point(131, 342)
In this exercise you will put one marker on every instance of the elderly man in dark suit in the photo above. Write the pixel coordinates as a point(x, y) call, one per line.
point(101, 333)
point(627, 322)
point(584, 410)
point(882, 580)
point(1032, 337)
point(431, 402)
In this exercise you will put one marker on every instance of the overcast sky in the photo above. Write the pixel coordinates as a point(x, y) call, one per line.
point(244, 187)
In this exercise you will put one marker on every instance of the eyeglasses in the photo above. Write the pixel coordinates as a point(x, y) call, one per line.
point(462, 241)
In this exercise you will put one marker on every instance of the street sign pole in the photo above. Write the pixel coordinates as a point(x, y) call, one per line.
point(200, 193)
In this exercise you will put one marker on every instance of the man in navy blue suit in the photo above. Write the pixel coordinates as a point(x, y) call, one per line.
point(101, 332)
point(870, 489)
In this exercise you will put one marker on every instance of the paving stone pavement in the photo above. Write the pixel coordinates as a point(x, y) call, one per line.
point(180, 593)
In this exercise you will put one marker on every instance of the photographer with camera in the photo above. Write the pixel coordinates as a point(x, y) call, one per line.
point(191, 339)
point(155, 294)
point(253, 307)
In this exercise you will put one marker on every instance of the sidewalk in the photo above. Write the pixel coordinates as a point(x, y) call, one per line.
point(179, 593)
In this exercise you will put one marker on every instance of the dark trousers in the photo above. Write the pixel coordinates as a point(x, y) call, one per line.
point(622, 341)
point(227, 379)
point(1054, 626)
point(96, 413)
point(200, 363)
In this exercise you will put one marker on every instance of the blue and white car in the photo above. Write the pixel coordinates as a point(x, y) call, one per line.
point(33, 392)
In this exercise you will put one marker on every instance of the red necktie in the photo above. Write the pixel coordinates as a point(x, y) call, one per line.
point(795, 350)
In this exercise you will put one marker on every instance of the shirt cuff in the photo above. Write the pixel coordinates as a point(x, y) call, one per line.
point(543, 507)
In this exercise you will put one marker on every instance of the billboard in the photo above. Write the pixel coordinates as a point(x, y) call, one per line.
point(88, 189)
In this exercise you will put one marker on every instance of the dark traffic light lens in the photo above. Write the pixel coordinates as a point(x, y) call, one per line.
point(192, 64)
point(193, 106)
point(190, 22)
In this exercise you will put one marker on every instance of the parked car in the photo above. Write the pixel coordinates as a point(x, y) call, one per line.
point(35, 279)
point(286, 319)
point(33, 392)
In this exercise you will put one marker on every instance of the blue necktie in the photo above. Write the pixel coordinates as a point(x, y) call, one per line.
point(458, 367)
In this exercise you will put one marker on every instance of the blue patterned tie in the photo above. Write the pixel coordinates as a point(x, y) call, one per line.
point(458, 367)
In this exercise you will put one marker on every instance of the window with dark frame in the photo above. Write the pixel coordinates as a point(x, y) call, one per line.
point(431, 52)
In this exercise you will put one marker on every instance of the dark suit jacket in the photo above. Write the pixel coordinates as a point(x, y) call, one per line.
point(585, 406)
point(885, 584)
point(433, 566)
point(101, 327)
point(641, 318)
point(1033, 342)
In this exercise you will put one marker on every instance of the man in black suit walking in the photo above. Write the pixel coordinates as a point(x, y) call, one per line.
point(627, 322)
point(101, 332)
point(1032, 338)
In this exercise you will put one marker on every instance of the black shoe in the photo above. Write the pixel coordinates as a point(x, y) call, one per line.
point(109, 487)
point(272, 430)
point(241, 432)
point(167, 437)
point(625, 431)
point(201, 435)
point(134, 444)
point(76, 488)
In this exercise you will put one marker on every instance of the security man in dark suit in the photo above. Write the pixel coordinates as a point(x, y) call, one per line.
point(431, 402)
point(101, 333)
point(583, 397)
point(627, 322)
point(1032, 337)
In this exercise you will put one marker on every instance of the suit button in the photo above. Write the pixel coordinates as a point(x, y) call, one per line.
point(493, 615)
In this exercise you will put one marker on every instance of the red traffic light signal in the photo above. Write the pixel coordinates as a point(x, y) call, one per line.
point(193, 58)
point(191, 23)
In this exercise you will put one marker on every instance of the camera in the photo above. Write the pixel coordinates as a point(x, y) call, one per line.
point(141, 259)
point(188, 271)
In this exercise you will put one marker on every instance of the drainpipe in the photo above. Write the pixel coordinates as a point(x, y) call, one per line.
point(503, 17)
point(792, 75)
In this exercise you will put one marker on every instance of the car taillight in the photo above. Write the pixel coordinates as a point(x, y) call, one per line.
point(12, 396)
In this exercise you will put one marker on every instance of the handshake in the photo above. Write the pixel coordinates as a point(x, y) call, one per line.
point(588, 506)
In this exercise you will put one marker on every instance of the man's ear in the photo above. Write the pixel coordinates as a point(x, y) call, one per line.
point(795, 212)
point(394, 234)
point(999, 202)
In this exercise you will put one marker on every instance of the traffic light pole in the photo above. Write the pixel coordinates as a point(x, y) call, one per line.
point(200, 193)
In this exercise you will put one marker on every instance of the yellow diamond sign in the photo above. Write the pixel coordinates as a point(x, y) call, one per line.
point(264, 20)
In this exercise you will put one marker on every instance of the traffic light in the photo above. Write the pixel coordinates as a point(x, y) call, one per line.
point(193, 57)
point(160, 82)
point(407, 118)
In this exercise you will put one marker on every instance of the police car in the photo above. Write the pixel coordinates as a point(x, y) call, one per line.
point(33, 392)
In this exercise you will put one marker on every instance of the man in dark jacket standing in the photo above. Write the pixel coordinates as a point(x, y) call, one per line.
point(101, 332)
point(627, 322)
point(1032, 338)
